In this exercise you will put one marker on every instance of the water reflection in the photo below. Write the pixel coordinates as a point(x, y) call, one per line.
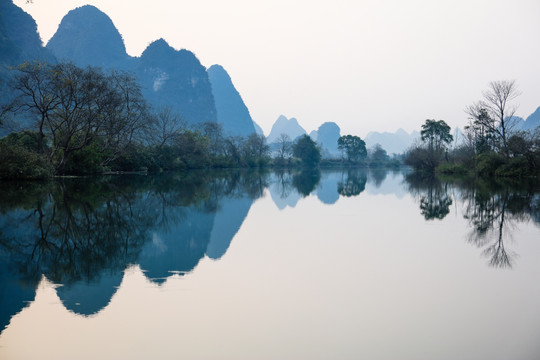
point(433, 196)
point(353, 182)
point(282, 191)
point(492, 210)
point(306, 180)
point(83, 233)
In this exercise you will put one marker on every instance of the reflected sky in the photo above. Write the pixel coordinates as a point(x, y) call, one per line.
point(226, 273)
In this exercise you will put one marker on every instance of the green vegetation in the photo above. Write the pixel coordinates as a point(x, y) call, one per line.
point(86, 121)
point(82, 121)
point(433, 150)
point(492, 146)
point(352, 147)
point(307, 151)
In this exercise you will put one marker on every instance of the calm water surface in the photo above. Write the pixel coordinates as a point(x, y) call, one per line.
point(302, 265)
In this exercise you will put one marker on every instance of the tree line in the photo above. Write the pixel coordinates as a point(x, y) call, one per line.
point(85, 120)
point(72, 120)
point(492, 144)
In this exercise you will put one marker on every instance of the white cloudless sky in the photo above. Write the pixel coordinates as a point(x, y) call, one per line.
point(368, 65)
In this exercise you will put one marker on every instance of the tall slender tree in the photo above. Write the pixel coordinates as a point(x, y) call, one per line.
point(495, 113)
point(436, 134)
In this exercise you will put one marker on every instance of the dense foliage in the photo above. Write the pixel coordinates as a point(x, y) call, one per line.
point(307, 151)
point(492, 146)
point(352, 147)
point(86, 121)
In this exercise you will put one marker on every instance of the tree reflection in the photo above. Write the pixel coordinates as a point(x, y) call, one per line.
point(83, 233)
point(306, 180)
point(354, 183)
point(491, 213)
point(284, 183)
point(433, 196)
point(491, 208)
point(377, 175)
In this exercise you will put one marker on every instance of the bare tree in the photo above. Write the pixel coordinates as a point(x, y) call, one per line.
point(214, 132)
point(36, 94)
point(74, 108)
point(166, 124)
point(284, 146)
point(124, 113)
point(494, 113)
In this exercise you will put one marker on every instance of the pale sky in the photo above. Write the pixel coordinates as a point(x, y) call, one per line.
point(368, 65)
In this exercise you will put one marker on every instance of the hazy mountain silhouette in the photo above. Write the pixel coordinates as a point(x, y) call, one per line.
point(232, 113)
point(19, 43)
point(285, 126)
point(258, 129)
point(176, 78)
point(87, 36)
point(19, 39)
point(517, 123)
point(168, 77)
point(532, 121)
point(327, 136)
point(393, 143)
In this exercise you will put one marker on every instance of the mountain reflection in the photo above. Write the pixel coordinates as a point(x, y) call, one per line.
point(288, 187)
point(492, 209)
point(84, 233)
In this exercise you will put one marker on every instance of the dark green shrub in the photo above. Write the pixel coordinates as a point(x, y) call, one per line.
point(87, 160)
point(17, 162)
point(451, 169)
point(488, 163)
point(515, 168)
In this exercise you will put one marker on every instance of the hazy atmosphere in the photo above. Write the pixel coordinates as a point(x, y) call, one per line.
point(367, 65)
point(269, 179)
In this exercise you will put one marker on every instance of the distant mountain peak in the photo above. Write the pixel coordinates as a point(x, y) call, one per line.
point(327, 136)
point(19, 38)
point(159, 45)
point(87, 36)
point(533, 120)
point(291, 127)
point(232, 113)
point(393, 143)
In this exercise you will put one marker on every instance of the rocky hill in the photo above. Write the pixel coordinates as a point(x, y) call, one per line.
point(87, 36)
point(285, 126)
point(327, 136)
point(169, 77)
point(232, 113)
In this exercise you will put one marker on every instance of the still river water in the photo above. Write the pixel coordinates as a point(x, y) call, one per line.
point(303, 265)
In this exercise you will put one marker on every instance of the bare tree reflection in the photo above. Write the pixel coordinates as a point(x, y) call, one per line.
point(491, 215)
point(83, 233)
point(492, 209)
point(284, 183)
